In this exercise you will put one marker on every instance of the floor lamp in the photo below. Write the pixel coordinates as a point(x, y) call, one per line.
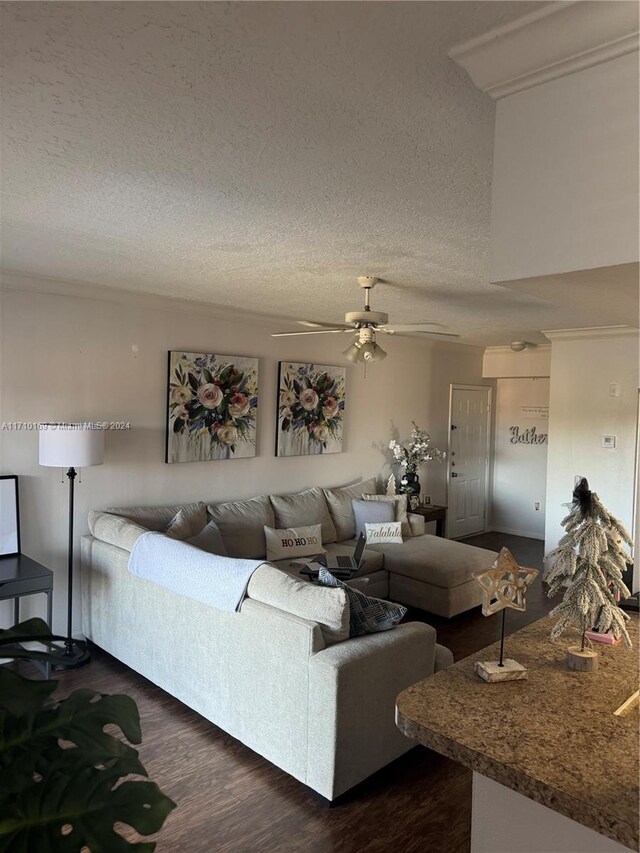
point(71, 446)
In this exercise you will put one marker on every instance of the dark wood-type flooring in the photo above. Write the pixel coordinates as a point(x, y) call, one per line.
point(230, 799)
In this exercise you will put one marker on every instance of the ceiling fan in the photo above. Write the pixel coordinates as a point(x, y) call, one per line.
point(364, 324)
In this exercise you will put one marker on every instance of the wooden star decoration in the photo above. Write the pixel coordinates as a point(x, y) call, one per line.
point(505, 584)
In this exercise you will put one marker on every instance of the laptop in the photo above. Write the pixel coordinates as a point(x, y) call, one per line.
point(340, 565)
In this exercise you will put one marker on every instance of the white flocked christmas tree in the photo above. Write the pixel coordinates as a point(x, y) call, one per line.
point(588, 564)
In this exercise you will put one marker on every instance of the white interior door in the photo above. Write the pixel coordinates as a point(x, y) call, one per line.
point(469, 451)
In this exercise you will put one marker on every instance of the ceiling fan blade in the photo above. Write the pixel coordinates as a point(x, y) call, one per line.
point(315, 324)
point(423, 332)
point(411, 327)
point(310, 332)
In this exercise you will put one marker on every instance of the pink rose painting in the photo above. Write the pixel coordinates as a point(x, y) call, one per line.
point(310, 410)
point(212, 407)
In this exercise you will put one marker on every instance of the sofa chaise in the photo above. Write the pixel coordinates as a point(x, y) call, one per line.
point(282, 674)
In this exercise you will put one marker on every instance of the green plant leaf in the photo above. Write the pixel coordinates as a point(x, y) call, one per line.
point(86, 800)
point(30, 629)
point(31, 743)
point(20, 695)
point(59, 768)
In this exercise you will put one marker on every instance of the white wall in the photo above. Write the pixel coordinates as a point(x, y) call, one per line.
point(581, 412)
point(66, 357)
point(519, 470)
point(565, 178)
point(499, 362)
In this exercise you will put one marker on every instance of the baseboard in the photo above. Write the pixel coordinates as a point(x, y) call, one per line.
point(510, 531)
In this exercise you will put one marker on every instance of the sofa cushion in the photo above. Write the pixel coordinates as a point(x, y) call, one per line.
point(434, 560)
point(339, 503)
point(399, 503)
point(184, 524)
point(242, 525)
point(303, 509)
point(416, 523)
point(366, 615)
point(329, 608)
point(209, 540)
point(293, 542)
point(158, 517)
point(372, 561)
point(115, 529)
point(370, 512)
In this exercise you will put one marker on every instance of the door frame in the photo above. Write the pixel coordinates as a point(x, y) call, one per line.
point(455, 386)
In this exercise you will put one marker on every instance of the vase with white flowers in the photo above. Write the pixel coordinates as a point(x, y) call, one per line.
point(417, 452)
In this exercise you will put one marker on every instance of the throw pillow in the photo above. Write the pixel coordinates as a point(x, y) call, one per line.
point(156, 518)
point(181, 526)
point(242, 524)
point(339, 503)
point(371, 511)
point(303, 509)
point(366, 615)
point(385, 533)
point(209, 540)
point(293, 542)
point(400, 506)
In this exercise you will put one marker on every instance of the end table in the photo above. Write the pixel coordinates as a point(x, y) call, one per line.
point(20, 575)
point(433, 513)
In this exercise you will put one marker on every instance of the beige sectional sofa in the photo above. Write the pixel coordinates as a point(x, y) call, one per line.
point(281, 675)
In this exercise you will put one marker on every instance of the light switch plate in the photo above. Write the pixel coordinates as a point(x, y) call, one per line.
point(609, 441)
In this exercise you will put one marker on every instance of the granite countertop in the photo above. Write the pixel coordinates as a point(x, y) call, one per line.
point(553, 737)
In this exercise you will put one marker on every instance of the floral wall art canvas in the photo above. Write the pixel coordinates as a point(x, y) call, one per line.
point(311, 400)
point(212, 407)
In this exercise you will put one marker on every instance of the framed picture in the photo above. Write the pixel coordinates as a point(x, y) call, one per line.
point(9, 516)
point(311, 402)
point(414, 502)
point(212, 406)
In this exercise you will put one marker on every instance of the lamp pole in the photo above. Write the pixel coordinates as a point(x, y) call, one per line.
point(71, 474)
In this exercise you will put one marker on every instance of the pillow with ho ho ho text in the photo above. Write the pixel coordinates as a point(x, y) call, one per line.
point(293, 542)
point(384, 533)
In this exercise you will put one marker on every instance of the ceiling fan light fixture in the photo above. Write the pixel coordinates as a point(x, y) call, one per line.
point(352, 353)
point(379, 353)
point(371, 352)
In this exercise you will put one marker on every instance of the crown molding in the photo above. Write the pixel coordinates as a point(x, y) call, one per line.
point(591, 333)
point(554, 41)
point(531, 348)
point(59, 287)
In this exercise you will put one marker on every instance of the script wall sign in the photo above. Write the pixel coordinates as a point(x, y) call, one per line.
point(527, 436)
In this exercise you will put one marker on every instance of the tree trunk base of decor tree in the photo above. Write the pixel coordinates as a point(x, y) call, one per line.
point(582, 660)
point(491, 670)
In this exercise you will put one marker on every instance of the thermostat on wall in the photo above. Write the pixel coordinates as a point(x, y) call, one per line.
point(609, 441)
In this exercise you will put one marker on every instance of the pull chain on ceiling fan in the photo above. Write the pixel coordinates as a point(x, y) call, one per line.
point(364, 324)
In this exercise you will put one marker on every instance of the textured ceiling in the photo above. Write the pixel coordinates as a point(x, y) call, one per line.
point(260, 155)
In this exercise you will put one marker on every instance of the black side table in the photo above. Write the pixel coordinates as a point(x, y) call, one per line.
point(20, 575)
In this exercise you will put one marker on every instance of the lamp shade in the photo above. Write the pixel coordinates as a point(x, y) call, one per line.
point(71, 445)
point(353, 352)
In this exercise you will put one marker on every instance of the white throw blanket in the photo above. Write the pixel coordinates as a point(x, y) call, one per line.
point(218, 581)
